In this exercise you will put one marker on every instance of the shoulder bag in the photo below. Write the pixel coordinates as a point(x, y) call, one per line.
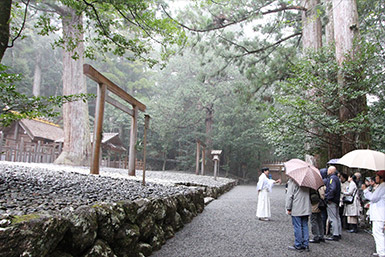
point(349, 199)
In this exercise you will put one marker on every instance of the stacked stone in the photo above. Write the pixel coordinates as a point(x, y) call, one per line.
point(125, 228)
point(26, 190)
point(46, 212)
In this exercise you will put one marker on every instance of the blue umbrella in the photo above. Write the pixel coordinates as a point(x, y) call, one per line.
point(333, 161)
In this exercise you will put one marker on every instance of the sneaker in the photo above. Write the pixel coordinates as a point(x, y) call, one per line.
point(306, 249)
point(333, 238)
point(376, 254)
point(294, 248)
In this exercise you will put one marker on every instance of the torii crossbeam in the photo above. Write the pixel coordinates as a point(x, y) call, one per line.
point(104, 85)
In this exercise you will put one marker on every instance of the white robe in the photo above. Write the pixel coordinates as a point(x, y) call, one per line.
point(264, 186)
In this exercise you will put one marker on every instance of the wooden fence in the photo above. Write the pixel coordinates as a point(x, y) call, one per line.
point(121, 164)
point(20, 151)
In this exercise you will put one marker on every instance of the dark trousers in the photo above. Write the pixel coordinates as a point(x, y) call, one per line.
point(324, 216)
point(317, 227)
point(344, 222)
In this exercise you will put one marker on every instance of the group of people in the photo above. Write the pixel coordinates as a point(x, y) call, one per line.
point(338, 200)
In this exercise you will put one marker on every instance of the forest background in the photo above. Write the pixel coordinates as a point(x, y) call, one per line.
point(260, 80)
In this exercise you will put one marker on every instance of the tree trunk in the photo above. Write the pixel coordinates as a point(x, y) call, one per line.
point(311, 40)
point(164, 161)
point(346, 31)
point(329, 27)
point(77, 147)
point(209, 141)
point(37, 75)
point(345, 19)
point(5, 14)
point(334, 147)
point(312, 29)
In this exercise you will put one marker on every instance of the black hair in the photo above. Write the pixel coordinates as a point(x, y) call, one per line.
point(345, 176)
point(355, 179)
point(264, 169)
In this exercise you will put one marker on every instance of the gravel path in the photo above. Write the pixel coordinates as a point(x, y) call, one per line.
point(29, 187)
point(228, 227)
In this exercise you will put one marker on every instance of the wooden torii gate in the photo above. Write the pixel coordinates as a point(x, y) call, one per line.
point(199, 144)
point(102, 96)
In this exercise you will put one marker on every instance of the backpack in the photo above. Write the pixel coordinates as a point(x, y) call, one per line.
point(314, 197)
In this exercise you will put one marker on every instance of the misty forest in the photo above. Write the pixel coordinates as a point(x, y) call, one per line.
point(261, 80)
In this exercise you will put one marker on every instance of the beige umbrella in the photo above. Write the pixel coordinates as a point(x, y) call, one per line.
point(303, 173)
point(364, 159)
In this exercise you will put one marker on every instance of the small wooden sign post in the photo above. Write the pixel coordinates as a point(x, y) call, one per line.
point(216, 154)
point(146, 126)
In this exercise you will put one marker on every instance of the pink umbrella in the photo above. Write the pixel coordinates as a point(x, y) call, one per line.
point(303, 173)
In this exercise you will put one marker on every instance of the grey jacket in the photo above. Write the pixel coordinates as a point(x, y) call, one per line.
point(297, 199)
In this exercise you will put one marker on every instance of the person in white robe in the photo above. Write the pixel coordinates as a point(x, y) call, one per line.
point(264, 187)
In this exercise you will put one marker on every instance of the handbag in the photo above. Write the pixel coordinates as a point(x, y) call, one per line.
point(348, 199)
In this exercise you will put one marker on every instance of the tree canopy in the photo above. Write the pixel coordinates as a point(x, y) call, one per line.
point(237, 76)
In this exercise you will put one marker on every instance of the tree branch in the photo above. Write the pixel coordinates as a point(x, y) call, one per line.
point(105, 32)
point(320, 137)
point(247, 52)
point(22, 26)
point(134, 14)
point(282, 8)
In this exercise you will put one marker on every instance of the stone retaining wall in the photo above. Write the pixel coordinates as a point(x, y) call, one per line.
point(126, 228)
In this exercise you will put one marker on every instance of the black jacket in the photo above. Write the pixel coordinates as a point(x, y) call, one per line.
point(333, 189)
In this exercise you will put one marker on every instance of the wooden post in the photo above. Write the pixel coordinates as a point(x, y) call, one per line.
point(33, 156)
point(1, 144)
point(215, 169)
point(37, 156)
point(28, 153)
point(133, 139)
point(21, 154)
point(8, 155)
point(203, 160)
point(146, 125)
point(18, 152)
point(52, 153)
point(16, 130)
point(90, 72)
point(98, 128)
point(198, 157)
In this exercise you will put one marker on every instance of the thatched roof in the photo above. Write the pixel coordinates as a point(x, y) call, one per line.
point(110, 141)
point(40, 129)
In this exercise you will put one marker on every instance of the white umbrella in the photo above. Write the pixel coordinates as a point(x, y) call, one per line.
point(364, 159)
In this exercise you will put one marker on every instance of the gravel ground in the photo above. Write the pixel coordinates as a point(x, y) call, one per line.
point(29, 187)
point(228, 227)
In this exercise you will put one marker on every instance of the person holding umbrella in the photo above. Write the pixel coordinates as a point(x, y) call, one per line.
point(377, 211)
point(264, 186)
point(298, 205)
point(303, 176)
